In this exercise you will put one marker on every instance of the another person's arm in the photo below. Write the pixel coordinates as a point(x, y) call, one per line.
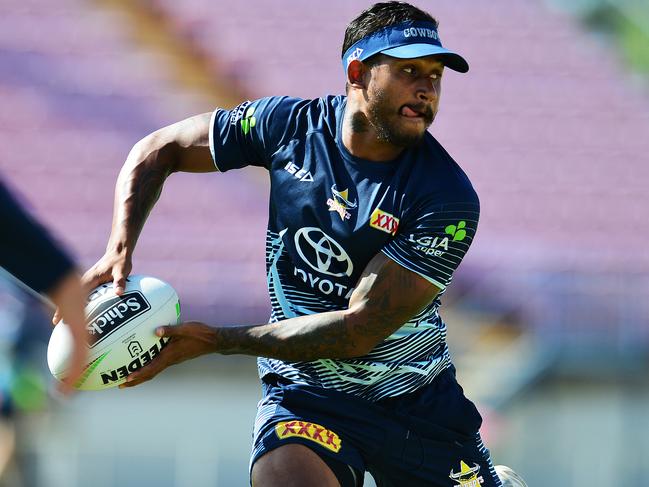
point(69, 298)
point(28, 253)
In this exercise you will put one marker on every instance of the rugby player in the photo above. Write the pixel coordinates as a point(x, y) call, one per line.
point(369, 218)
point(29, 254)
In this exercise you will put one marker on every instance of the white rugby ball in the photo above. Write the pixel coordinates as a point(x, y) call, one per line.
point(121, 332)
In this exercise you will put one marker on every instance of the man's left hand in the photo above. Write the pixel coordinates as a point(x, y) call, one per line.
point(186, 341)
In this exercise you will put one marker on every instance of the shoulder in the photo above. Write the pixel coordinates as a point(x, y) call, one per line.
point(287, 105)
point(292, 113)
point(267, 108)
point(435, 175)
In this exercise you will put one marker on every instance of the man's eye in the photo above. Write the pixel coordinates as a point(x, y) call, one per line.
point(409, 70)
point(435, 76)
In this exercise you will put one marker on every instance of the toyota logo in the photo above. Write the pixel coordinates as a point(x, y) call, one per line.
point(322, 252)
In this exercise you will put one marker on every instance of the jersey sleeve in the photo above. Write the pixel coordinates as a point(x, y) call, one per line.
point(434, 241)
point(26, 249)
point(250, 133)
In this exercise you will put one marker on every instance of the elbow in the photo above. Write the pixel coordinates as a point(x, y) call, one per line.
point(355, 348)
point(364, 332)
point(156, 150)
point(362, 349)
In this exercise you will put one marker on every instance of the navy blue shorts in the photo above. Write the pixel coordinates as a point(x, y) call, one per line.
point(425, 438)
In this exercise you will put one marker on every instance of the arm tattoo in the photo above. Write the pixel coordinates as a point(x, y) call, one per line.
point(310, 337)
point(386, 297)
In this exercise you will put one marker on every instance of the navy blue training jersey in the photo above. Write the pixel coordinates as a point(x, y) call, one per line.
point(26, 249)
point(331, 212)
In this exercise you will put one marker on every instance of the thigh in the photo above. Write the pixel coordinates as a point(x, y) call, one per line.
point(292, 465)
point(295, 420)
point(434, 440)
point(431, 463)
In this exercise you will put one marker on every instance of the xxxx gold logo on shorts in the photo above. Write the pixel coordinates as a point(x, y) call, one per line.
point(310, 431)
point(467, 476)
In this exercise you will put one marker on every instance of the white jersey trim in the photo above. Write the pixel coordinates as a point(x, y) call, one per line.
point(406, 266)
point(211, 135)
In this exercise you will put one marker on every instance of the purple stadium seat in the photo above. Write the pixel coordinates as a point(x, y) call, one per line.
point(76, 95)
point(545, 124)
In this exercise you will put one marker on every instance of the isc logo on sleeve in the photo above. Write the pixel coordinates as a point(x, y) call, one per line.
point(384, 221)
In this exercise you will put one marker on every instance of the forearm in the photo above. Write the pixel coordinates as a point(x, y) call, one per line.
point(183, 146)
point(324, 335)
point(386, 297)
point(70, 299)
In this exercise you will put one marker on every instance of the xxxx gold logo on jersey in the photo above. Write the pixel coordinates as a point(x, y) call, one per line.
point(467, 476)
point(309, 431)
point(384, 221)
point(340, 203)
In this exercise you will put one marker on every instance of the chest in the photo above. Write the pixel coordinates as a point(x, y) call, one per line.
point(335, 214)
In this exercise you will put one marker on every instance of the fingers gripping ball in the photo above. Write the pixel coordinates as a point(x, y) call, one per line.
point(121, 332)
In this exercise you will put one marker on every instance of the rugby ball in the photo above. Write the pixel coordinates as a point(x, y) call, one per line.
point(121, 332)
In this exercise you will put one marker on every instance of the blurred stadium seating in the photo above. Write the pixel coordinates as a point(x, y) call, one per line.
point(76, 95)
point(552, 136)
point(546, 124)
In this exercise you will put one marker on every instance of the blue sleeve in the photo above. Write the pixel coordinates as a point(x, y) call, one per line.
point(250, 133)
point(434, 241)
point(26, 250)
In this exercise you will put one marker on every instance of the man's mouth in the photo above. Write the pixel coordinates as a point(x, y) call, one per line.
point(407, 111)
point(416, 111)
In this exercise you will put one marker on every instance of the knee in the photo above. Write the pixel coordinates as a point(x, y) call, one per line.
point(292, 465)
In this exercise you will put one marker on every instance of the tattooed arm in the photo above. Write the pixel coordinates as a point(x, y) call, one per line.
point(183, 146)
point(387, 296)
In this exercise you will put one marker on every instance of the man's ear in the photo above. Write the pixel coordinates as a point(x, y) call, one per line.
point(357, 74)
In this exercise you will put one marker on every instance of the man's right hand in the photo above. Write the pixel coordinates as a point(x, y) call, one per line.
point(113, 267)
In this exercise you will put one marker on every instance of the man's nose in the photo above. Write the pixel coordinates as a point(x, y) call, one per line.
point(427, 90)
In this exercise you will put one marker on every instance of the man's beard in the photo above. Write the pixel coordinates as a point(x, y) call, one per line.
point(380, 114)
